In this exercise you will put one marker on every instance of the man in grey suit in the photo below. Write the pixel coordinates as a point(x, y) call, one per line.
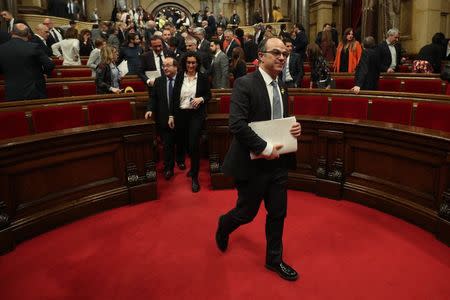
point(219, 67)
point(259, 96)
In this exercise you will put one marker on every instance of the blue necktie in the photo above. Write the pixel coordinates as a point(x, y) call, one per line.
point(276, 101)
point(170, 91)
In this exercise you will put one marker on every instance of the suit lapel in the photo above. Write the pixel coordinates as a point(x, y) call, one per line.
point(261, 86)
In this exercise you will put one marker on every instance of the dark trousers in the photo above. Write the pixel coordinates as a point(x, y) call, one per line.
point(188, 124)
point(270, 185)
point(168, 139)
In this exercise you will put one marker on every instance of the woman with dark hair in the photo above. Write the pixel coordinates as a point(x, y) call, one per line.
point(107, 74)
point(238, 67)
point(190, 96)
point(320, 73)
point(68, 49)
point(86, 45)
point(348, 53)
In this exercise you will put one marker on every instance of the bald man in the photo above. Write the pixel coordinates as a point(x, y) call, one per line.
point(56, 34)
point(40, 36)
point(23, 65)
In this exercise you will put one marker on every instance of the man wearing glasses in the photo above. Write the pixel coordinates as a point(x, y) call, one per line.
point(259, 96)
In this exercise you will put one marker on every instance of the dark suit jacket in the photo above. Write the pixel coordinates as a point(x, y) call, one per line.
point(148, 63)
point(296, 68)
point(23, 65)
point(250, 51)
point(203, 90)
point(368, 70)
point(158, 102)
point(385, 55)
point(37, 40)
point(51, 40)
point(300, 43)
point(433, 54)
point(204, 46)
point(233, 45)
point(249, 103)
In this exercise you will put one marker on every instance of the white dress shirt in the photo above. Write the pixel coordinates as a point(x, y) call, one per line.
point(188, 91)
point(393, 55)
point(268, 81)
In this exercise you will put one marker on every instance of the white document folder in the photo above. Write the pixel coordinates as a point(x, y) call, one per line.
point(276, 132)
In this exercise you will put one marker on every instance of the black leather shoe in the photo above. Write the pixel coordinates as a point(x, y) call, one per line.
point(221, 238)
point(195, 185)
point(285, 271)
point(168, 174)
point(181, 166)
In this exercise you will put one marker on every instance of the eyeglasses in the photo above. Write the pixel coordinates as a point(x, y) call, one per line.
point(277, 53)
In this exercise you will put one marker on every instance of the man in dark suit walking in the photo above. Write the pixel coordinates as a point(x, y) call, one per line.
point(23, 65)
point(258, 96)
point(390, 51)
point(367, 72)
point(160, 103)
point(153, 60)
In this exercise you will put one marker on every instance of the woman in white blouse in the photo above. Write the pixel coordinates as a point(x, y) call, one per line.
point(190, 96)
point(68, 49)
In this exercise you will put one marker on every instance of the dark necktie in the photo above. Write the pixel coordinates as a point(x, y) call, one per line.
point(55, 36)
point(160, 63)
point(170, 91)
point(276, 101)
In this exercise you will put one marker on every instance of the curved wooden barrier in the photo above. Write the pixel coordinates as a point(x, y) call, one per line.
point(53, 178)
point(402, 170)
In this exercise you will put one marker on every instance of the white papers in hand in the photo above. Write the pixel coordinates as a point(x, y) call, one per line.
point(123, 68)
point(152, 74)
point(276, 132)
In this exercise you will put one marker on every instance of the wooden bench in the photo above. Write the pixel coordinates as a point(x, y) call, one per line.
point(402, 170)
point(53, 178)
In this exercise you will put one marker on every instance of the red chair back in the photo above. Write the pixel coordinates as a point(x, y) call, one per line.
point(391, 85)
point(13, 124)
point(138, 85)
point(433, 116)
point(82, 89)
point(344, 83)
point(392, 111)
point(58, 117)
point(430, 86)
point(311, 105)
point(109, 112)
point(349, 107)
point(85, 72)
point(55, 90)
point(224, 104)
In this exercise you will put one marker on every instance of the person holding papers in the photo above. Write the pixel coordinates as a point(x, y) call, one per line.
point(260, 96)
point(152, 61)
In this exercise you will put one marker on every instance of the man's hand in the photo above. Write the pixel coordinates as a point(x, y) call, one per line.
point(274, 154)
point(171, 123)
point(355, 89)
point(150, 82)
point(296, 129)
point(390, 70)
point(148, 115)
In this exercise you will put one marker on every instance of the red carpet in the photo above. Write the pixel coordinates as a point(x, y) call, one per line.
point(165, 250)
